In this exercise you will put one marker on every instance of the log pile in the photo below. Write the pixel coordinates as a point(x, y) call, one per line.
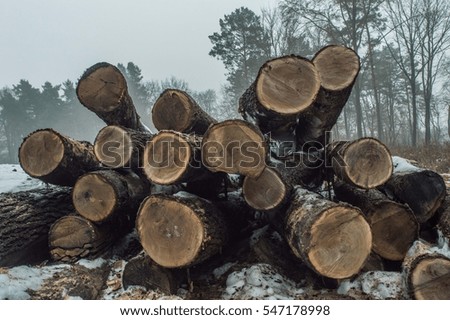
point(340, 209)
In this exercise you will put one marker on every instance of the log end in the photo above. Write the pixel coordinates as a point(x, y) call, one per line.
point(287, 85)
point(113, 147)
point(430, 278)
point(172, 111)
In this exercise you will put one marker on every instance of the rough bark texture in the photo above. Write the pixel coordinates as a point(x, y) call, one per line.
point(426, 273)
point(109, 195)
point(332, 239)
point(394, 226)
point(120, 147)
point(176, 110)
point(365, 163)
point(234, 146)
point(180, 230)
point(25, 219)
point(53, 158)
point(103, 89)
point(72, 238)
point(444, 219)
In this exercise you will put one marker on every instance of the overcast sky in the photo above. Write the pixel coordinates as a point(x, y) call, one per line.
point(55, 40)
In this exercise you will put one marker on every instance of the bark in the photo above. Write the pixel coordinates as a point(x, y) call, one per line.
point(365, 163)
point(426, 273)
point(103, 89)
point(25, 219)
point(394, 226)
point(53, 158)
point(109, 195)
point(234, 146)
point(332, 239)
point(120, 147)
point(176, 110)
point(444, 219)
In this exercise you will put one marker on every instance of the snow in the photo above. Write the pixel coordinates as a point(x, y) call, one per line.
point(403, 165)
point(14, 179)
point(220, 271)
point(92, 264)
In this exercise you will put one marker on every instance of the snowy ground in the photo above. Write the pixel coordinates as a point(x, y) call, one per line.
point(14, 179)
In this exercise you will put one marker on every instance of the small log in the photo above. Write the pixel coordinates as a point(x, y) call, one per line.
point(333, 239)
point(394, 225)
point(172, 157)
point(427, 273)
point(423, 191)
point(364, 163)
point(338, 68)
point(103, 89)
point(108, 195)
point(234, 146)
point(176, 110)
point(72, 238)
point(120, 147)
point(53, 158)
point(25, 219)
point(180, 230)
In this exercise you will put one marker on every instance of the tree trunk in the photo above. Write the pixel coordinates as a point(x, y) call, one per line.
point(333, 239)
point(72, 238)
point(394, 226)
point(338, 68)
point(172, 157)
point(427, 273)
point(365, 163)
point(284, 87)
point(53, 158)
point(423, 190)
point(103, 89)
point(176, 110)
point(109, 195)
point(234, 146)
point(180, 230)
point(25, 219)
point(120, 147)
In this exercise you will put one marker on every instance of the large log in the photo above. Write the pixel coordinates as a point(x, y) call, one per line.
point(423, 190)
point(338, 68)
point(234, 146)
point(426, 273)
point(25, 219)
point(108, 195)
point(120, 147)
point(72, 238)
point(176, 110)
point(333, 239)
point(172, 157)
point(53, 158)
point(103, 89)
point(365, 163)
point(180, 230)
point(394, 226)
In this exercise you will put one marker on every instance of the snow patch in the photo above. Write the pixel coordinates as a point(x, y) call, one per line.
point(403, 165)
point(14, 179)
point(377, 284)
point(92, 264)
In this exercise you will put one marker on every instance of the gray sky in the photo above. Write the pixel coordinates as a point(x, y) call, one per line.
point(55, 40)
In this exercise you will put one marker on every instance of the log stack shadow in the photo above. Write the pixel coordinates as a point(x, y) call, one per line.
point(196, 191)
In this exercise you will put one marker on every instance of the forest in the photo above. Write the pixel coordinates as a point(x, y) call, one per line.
point(401, 95)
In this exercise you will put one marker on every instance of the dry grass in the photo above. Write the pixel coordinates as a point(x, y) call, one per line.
point(434, 157)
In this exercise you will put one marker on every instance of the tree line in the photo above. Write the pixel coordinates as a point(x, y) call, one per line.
point(402, 93)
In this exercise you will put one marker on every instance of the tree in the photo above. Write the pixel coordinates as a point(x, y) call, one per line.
point(242, 46)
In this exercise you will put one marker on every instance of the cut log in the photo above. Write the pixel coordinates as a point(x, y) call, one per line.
point(333, 239)
point(120, 147)
point(234, 146)
point(108, 195)
point(172, 157)
point(176, 110)
point(72, 238)
point(427, 273)
point(365, 163)
point(338, 68)
point(394, 225)
point(284, 87)
point(103, 89)
point(25, 219)
point(53, 158)
point(423, 190)
point(180, 230)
